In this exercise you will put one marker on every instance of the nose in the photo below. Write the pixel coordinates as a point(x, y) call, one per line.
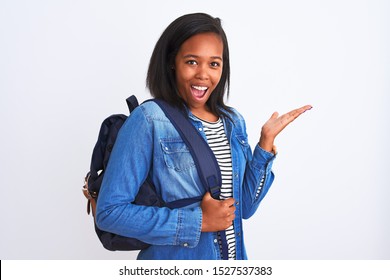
point(202, 72)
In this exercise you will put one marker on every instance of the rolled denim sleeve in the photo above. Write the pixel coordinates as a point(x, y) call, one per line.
point(262, 159)
point(258, 179)
point(189, 222)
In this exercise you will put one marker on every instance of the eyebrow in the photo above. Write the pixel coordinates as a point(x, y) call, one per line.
point(197, 56)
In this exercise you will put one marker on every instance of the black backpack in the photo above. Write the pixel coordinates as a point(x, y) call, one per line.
point(205, 161)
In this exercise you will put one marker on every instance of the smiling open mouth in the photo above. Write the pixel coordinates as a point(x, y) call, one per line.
point(199, 91)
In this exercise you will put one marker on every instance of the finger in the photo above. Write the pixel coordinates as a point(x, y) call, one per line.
point(230, 217)
point(232, 209)
point(295, 113)
point(292, 115)
point(229, 202)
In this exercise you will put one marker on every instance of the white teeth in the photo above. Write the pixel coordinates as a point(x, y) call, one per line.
point(200, 88)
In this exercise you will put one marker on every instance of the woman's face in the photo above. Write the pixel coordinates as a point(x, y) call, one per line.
point(198, 67)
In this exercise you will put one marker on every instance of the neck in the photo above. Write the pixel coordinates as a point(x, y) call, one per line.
point(204, 114)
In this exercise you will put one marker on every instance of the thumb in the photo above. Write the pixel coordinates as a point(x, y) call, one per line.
point(275, 115)
point(207, 197)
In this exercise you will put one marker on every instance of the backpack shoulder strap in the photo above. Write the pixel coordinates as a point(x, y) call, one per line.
point(204, 158)
point(132, 103)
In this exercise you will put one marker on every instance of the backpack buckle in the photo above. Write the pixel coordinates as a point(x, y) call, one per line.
point(85, 190)
point(86, 193)
point(215, 192)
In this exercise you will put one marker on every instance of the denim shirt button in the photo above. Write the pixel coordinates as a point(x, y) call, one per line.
point(200, 129)
point(185, 244)
point(215, 240)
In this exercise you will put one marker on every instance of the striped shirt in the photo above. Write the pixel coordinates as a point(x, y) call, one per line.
point(218, 142)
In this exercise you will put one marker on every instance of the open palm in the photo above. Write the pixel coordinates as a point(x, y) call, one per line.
point(276, 124)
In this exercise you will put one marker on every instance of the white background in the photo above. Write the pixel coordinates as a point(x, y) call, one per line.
point(66, 65)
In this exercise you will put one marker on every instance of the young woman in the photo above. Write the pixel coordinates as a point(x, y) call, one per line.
point(190, 69)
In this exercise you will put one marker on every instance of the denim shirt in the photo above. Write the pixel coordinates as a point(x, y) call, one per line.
point(149, 146)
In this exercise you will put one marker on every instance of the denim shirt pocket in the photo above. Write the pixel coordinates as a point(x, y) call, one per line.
point(177, 156)
point(244, 144)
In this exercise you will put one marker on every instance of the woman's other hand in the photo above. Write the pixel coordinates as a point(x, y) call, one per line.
point(217, 214)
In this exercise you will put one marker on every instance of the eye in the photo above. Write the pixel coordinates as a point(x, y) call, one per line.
point(191, 62)
point(215, 64)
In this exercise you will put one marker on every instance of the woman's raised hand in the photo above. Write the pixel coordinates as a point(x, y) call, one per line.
point(276, 124)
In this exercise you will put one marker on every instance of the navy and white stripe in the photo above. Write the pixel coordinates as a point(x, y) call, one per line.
point(219, 144)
